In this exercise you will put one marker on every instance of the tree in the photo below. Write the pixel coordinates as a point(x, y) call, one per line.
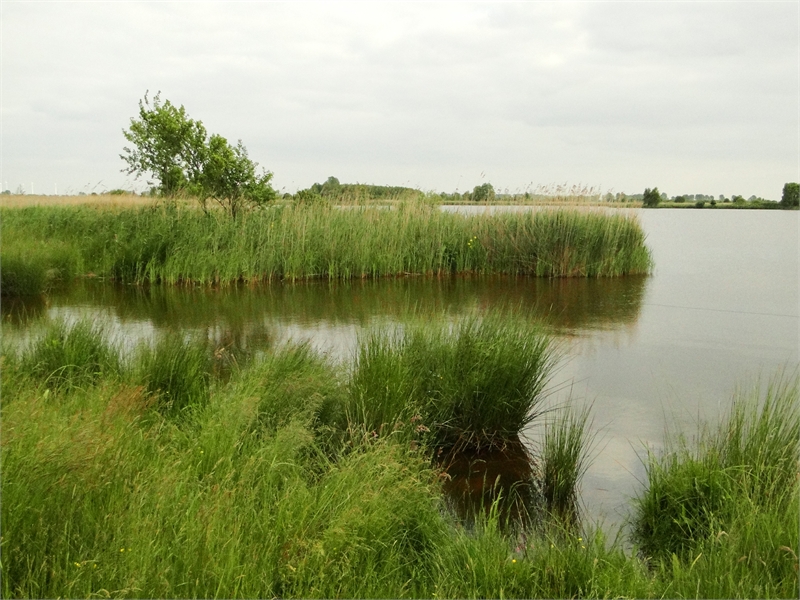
point(651, 198)
point(791, 195)
point(174, 149)
point(229, 177)
point(483, 193)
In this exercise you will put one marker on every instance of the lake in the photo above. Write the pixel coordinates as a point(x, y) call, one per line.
point(719, 311)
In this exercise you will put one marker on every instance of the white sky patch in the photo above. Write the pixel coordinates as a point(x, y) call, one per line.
point(691, 97)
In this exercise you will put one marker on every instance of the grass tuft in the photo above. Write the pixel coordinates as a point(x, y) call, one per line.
point(68, 356)
point(175, 373)
point(747, 465)
point(475, 384)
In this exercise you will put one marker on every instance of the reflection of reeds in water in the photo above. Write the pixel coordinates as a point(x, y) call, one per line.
point(568, 303)
point(501, 480)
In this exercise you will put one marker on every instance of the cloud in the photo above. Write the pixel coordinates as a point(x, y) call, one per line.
point(623, 94)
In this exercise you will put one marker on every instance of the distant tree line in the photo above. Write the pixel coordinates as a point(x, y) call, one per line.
point(335, 191)
point(790, 197)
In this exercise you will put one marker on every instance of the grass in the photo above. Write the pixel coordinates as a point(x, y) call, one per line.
point(249, 495)
point(731, 498)
point(475, 384)
point(564, 460)
point(175, 373)
point(75, 355)
point(171, 244)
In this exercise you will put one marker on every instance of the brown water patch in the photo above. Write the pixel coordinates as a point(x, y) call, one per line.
point(501, 478)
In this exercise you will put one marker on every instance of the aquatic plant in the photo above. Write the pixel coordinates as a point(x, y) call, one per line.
point(563, 460)
point(70, 355)
point(746, 466)
point(173, 244)
point(175, 372)
point(474, 384)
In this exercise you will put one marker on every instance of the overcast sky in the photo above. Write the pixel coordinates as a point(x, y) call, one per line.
point(691, 97)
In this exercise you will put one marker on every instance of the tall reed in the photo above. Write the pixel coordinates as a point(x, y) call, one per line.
point(173, 244)
point(474, 384)
point(564, 460)
point(744, 467)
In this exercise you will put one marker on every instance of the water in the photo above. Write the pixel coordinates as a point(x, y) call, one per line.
point(720, 311)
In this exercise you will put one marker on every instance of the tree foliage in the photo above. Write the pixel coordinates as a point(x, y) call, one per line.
point(483, 193)
point(651, 198)
point(182, 159)
point(791, 195)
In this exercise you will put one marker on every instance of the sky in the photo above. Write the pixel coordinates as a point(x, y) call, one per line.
point(692, 97)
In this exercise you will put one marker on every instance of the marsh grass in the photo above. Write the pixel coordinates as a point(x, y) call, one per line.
point(169, 243)
point(69, 355)
point(471, 385)
point(564, 459)
point(726, 481)
point(103, 496)
point(175, 372)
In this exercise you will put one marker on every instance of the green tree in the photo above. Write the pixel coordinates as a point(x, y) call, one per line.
point(791, 195)
point(177, 152)
point(166, 144)
point(483, 193)
point(229, 177)
point(651, 198)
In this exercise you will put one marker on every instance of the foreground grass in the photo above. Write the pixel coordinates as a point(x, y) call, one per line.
point(260, 486)
point(170, 244)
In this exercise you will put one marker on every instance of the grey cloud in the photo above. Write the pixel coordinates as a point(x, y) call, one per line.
point(623, 93)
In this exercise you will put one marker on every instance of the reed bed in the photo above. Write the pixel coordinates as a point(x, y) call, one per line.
point(171, 244)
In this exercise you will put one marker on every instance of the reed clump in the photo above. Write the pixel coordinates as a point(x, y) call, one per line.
point(732, 496)
point(564, 460)
point(466, 386)
point(68, 355)
point(174, 244)
point(176, 372)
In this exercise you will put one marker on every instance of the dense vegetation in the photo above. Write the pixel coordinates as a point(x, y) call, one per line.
point(166, 243)
point(157, 473)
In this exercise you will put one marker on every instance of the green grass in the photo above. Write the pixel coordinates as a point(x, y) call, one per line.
point(249, 495)
point(564, 460)
point(68, 355)
point(470, 385)
point(175, 372)
point(174, 245)
point(730, 499)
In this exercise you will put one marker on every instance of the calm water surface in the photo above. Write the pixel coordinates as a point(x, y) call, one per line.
point(719, 311)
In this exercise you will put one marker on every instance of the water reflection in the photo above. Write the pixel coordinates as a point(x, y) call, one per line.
point(570, 304)
point(499, 478)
